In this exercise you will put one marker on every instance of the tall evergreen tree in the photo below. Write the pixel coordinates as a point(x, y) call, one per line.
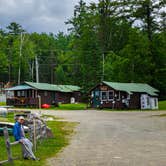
point(85, 46)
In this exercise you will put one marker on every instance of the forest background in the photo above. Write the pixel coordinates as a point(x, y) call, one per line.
point(122, 41)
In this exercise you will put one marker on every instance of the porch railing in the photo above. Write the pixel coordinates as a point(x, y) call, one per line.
point(22, 101)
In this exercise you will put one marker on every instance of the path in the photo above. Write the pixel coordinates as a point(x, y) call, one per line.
point(114, 139)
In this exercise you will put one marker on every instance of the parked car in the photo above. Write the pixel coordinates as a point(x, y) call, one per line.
point(10, 127)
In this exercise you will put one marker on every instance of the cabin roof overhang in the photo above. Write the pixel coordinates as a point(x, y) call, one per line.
point(19, 87)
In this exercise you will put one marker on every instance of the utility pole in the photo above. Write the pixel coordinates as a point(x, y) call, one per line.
point(32, 70)
point(103, 71)
point(19, 70)
point(37, 69)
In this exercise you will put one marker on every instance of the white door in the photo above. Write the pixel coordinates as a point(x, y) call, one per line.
point(154, 103)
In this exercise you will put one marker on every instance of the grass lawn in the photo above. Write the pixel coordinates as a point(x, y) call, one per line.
point(79, 106)
point(2, 103)
point(162, 105)
point(47, 148)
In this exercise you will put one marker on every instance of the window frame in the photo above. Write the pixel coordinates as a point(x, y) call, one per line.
point(22, 93)
point(119, 97)
point(102, 96)
point(45, 93)
point(18, 93)
point(108, 96)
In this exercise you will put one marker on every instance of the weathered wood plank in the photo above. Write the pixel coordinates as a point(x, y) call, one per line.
point(7, 142)
point(3, 162)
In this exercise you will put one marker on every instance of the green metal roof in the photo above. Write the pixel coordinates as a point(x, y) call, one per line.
point(52, 87)
point(45, 86)
point(19, 87)
point(133, 87)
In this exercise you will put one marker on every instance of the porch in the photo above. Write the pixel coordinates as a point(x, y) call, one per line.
point(23, 101)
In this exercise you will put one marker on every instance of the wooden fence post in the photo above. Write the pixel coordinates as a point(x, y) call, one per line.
point(34, 132)
point(8, 147)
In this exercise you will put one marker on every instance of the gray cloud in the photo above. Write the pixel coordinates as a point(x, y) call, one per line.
point(38, 15)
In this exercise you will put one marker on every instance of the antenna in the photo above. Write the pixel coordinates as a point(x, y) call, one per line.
point(21, 43)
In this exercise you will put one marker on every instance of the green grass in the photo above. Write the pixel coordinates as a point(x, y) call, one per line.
point(2, 103)
point(9, 118)
point(47, 148)
point(79, 106)
point(162, 105)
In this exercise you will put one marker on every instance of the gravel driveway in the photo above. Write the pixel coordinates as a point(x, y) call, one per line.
point(114, 139)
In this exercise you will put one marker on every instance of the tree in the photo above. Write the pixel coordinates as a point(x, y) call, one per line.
point(132, 63)
point(85, 46)
point(14, 28)
point(60, 75)
point(129, 34)
point(159, 45)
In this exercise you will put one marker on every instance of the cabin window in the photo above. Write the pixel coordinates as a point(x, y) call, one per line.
point(45, 93)
point(18, 93)
point(103, 95)
point(97, 93)
point(118, 95)
point(110, 95)
point(22, 93)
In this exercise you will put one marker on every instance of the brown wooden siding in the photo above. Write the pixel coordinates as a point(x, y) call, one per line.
point(47, 97)
point(66, 97)
point(134, 102)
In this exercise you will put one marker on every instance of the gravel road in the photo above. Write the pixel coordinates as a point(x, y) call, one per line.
point(113, 139)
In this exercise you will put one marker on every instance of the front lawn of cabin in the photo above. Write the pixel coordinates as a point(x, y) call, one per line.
point(78, 106)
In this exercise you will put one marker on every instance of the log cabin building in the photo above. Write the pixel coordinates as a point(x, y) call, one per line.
point(117, 95)
point(29, 94)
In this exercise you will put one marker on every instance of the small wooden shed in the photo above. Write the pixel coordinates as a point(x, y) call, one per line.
point(29, 94)
point(117, 95)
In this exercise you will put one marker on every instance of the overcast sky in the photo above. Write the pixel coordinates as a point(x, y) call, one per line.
point(38, 15)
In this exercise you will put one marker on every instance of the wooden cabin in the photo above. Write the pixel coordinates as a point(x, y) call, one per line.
point(117, 95)
point(31, 94)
